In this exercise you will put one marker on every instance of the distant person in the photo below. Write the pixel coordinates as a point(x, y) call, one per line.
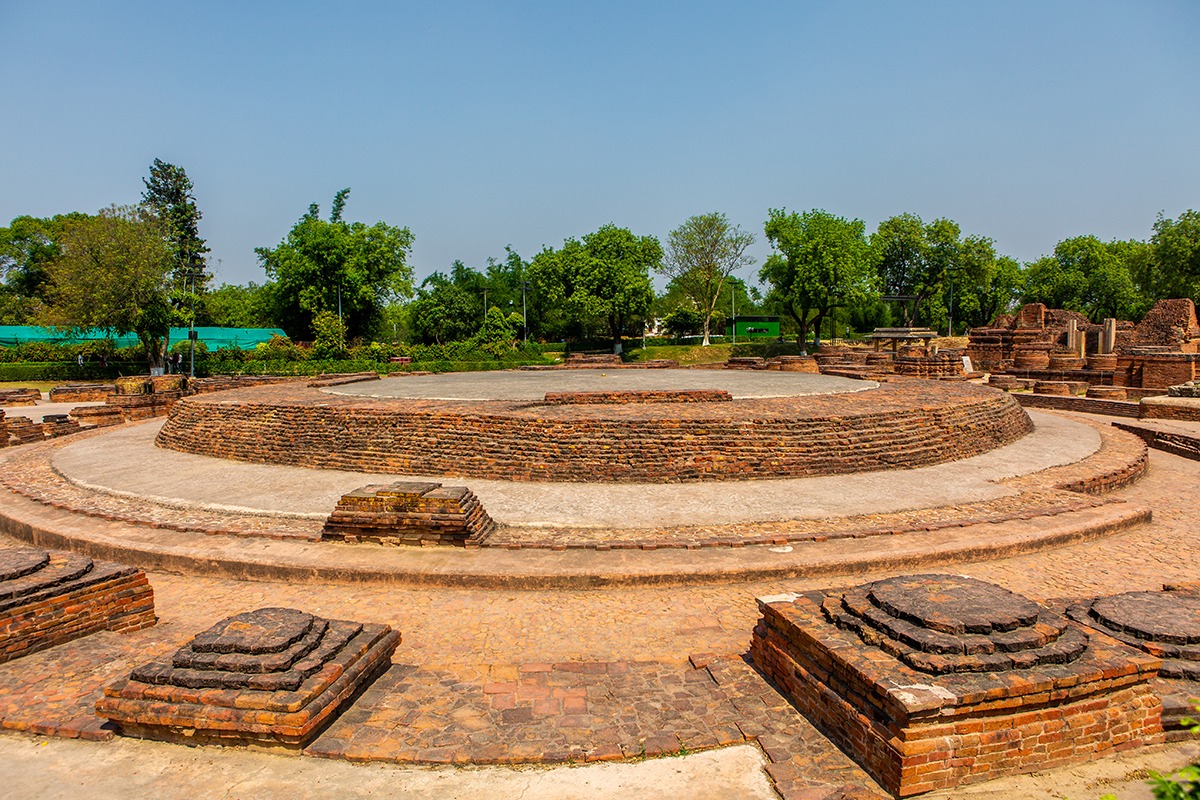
point(79, 359)
point(103, 360)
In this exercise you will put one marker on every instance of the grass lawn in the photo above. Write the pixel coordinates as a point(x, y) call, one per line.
point(41, 386)
point(683, 353)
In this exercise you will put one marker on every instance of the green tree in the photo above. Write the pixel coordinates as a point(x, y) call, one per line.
point(169, 194)
point(1174, 263)
point(915, 259)
point(989, 285)
point(329, 336)
point(701, 255)
point(605, 278)
point(336, 266)
point(27, 247)
point(1089, 276)
point(683, 321)
point(113, 272)
point(234, 306)
point(448, 308)
point(821, 262)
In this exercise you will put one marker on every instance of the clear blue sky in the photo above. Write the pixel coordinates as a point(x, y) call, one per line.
point(484, 124)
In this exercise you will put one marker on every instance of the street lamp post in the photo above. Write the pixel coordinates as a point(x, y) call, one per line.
point(524, 312)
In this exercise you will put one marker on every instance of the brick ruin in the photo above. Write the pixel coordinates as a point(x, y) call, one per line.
point(778, 363)
point(1165, 625)
point(410, 513)
point(18, 429)
point(47, 598)
point(931, 681)
point(903, 361)
point(896, 425)
point(1049, 346)
point(21, 396)
point(82, 392)
point(275, 677)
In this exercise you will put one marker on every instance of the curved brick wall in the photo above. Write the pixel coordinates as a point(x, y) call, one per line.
point(904, 424)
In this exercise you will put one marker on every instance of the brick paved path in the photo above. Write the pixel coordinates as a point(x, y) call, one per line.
point(602, 653)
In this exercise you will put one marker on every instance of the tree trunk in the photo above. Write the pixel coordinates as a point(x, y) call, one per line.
point(707, 323)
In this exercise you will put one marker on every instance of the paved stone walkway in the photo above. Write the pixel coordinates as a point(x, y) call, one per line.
point(471, 655)
point(125, 462)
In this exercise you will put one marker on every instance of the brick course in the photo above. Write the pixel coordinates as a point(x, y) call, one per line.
point(48, 598)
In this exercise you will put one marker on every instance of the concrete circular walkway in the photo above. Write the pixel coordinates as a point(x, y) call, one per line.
point(125, 462)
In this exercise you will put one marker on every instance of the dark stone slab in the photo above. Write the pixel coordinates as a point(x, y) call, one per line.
point(1163, 624)
point(267, 630)
point(60, 570)
point(944, 624)
point(20, 561)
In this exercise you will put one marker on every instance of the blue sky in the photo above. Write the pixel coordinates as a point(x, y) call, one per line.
point(479, 125)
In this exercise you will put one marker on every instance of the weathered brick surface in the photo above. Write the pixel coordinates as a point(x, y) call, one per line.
point(898, 425)
point(342, 379)
point(622, 398)
point(1178, 442)
point(48, 598)
point(410, 514)
point(1186, 409)
point(916, 731)
point(1084, 405)
point(81, 392)
point(274, 676)
point(23, 396)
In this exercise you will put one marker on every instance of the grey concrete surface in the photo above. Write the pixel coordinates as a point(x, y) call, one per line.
point(125, 462)
point(533, 385)
point(36, 768)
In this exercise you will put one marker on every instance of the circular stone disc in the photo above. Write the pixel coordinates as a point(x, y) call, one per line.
point(533, 386)
point(20, 561)
point(953, 604)
point(1156, 616)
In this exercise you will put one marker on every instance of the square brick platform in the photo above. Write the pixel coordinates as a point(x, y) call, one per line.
point(275, 676)
point(933, 681)
point(410, 513)
point(48, 598)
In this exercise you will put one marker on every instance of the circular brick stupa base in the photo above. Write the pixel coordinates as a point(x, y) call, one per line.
point(662, 426)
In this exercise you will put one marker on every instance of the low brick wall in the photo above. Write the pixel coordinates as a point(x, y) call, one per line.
point(55, 597)
point(1086, 405)
point(1180, 443)
point(898, 425)
point(1184, 409)
point(82, 392)
point(621, 398)
point(19, 397)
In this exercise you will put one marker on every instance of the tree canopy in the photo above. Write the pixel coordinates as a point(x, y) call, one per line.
point(605, 278)
point(168, 194)
point(336, 266)
point(822, 261)
point(1089, 276)
point(915, 259)
point(113, 272)
point(1173, 266)
point(701, 255)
